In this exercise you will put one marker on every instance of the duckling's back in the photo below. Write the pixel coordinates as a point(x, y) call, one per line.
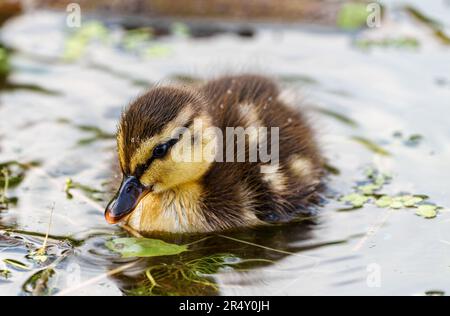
point(241, 193)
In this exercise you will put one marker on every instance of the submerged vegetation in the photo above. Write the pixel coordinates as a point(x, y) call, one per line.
point(169, 266)
point(93, 194)
point(42, 257)
point(12, 173)
point(179, 274)
point(39, 283)
point(184, 277)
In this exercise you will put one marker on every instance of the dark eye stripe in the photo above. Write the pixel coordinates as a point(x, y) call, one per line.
point(141, 168)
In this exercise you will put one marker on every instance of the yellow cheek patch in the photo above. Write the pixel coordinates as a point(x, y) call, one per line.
point(121, 149)
point(186, 161)
point(143, 153)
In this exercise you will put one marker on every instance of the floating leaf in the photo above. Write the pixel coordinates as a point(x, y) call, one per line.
point(16, 264)
point(384, 201)
point(76, 44)
point(352, 16)
point(396, 204)
point(410, 201)
point(144, 247)
point(158, 51)
point(427, 211)
point(355, 199)
point(136, 38)
point(369, 189)
point(180, 29)
point(367, 192)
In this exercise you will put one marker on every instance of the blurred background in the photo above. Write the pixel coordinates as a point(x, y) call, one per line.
point(374, 77)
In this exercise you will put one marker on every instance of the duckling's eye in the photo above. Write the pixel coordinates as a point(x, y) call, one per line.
point(160, 150)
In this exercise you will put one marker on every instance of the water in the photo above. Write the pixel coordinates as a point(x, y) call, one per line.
point(369, 251)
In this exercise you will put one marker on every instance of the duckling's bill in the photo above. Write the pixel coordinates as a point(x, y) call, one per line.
point(127, 198)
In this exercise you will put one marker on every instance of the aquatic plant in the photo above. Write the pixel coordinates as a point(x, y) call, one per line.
point(413, 140)
point(39, 283)
point(370, 145)
point(90, 192)
point(77, 42)
point(97, 134)
point(337, 116)
point(368, 191)
point(388, 42)
point(5, 66)
point(180, 29)
point(134, 39)
point(138, 41)
point(352, 16)
point(12, 173)
point(144, 247)
point(184, 277)
point(5, 274)
point(16, 264)
point(435, 26)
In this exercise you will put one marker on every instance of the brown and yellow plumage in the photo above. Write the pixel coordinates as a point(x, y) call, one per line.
point(164, 194)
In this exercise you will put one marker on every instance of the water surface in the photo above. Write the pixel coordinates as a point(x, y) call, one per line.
point(66, 120)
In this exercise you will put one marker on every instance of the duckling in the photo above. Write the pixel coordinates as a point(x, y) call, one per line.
point(171, 145)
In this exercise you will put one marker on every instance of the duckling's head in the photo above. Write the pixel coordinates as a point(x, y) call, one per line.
point(161, 141)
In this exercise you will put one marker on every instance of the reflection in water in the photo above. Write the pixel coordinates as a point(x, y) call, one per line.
point(192, 272)
point(378, 94)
